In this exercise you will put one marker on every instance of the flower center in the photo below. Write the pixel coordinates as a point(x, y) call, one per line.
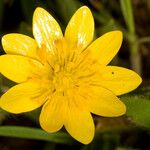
point(68, 68)
point(62, 79)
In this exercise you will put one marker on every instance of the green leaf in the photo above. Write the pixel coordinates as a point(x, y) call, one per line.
point(138, 108)
point(36, 134)
point(141, 92)
point(126, 7)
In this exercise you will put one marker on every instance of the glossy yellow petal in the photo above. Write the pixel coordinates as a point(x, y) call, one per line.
point(23, 97)
point(80, 30)
point(53, 113)
point(119, 80)
point(45, 29)
point(104, 103)
point(19, 68)
point(19, 44)
point(106, 47)
point(79, 124)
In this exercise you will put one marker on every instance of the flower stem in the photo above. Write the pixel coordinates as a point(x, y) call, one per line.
point(135, 58)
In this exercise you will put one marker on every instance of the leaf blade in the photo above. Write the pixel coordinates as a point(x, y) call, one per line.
point(138, 109)
point(35, 133)
point(126, 7)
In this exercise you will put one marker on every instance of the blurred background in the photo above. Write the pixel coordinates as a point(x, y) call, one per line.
point(121, 133)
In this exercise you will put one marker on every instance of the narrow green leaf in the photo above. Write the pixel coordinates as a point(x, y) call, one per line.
point(36, 134)
point(138, 108)
point(126, 7)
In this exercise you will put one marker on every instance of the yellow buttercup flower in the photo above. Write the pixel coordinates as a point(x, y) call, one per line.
point(67, 74)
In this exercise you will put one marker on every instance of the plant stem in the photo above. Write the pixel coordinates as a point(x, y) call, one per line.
point(135, 57)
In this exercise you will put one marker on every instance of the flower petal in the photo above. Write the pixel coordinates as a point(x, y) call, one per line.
point(45, 29)
point(119, 80)
point(23, 97)
point(106, 47)
point(80, 125)
point(19, 68)
point(53, 113)
point(104, 103)
point(19, 44)
point(80, 30)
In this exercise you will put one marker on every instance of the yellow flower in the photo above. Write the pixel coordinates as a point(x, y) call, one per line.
point(67, 74)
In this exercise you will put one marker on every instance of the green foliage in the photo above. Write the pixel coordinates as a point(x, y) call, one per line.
point(138, 109)
point(127, 11)
point(37, 134)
